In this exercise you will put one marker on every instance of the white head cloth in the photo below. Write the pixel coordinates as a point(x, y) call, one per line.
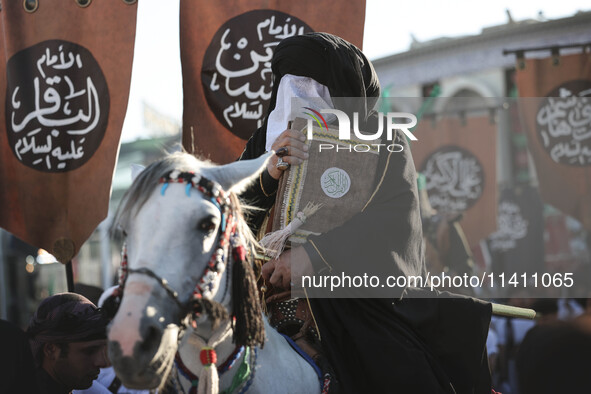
point(311, 94)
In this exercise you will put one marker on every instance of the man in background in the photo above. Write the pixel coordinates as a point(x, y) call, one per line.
point(68, 341)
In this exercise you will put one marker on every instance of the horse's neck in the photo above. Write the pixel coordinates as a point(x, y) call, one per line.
point(277, 358)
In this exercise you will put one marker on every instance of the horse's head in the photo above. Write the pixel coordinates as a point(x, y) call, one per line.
point(179, 218)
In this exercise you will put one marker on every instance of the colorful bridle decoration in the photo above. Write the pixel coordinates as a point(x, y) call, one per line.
point(227, 235)
point(216, 195)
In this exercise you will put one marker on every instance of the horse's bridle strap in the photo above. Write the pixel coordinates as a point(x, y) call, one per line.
point(216, 194)
point(163, 282)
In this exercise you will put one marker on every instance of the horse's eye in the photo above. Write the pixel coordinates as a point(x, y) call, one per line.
point(206, 225)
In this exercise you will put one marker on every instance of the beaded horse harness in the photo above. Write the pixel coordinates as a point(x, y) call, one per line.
point(228, 238)
point(227, 235)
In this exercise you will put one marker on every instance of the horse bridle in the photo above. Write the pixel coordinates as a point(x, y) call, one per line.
point(214, 192)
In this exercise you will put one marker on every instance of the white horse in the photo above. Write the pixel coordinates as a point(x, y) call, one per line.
point(189, 263)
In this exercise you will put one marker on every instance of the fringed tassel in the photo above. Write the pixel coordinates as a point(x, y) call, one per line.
point(209, 381)
point(249, 328)
point(208, 378)
point(274, 242)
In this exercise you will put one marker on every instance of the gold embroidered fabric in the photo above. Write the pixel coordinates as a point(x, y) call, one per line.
point(339, 174)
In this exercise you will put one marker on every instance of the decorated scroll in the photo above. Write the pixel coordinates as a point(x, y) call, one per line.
point(338, 180)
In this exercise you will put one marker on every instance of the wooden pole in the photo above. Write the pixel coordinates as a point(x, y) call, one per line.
point(70, 276)
point(513, 311)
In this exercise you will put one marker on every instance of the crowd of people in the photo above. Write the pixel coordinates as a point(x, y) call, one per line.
point(64, 349)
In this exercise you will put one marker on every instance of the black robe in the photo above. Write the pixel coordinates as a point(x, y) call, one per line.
point(395, 343)
point(16, 361)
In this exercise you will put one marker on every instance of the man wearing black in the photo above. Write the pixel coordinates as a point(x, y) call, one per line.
point(68, 340)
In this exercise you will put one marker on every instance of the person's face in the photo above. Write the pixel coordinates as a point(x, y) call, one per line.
point(81, 363)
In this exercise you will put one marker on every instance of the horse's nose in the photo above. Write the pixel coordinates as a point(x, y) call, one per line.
point(131, 357)
point(133, 342)
point(134, 372)
point(132, 324)
point(115, 355)
point(151, 335)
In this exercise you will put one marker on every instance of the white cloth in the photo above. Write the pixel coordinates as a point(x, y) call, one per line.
point(310, 94)
point(96, 388)
point(104, 380)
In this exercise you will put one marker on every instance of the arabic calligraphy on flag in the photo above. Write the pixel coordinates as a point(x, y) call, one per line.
point(226, 52)
point(555, 103)
point(518, 243)
point(236, 72)
point(563, 123)
point(454, 179)
point(458, 159)
point(57, 110)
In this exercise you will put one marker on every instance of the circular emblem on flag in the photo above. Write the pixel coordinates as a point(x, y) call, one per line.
point(57, 105)
point(454, 179)
point(335, 182)
point(563, 122)
point(236, 72)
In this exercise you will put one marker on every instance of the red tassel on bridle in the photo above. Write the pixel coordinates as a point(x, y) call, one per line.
point(208, 356)
point(239, 253)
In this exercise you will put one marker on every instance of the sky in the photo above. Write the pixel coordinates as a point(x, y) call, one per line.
point(389, 26)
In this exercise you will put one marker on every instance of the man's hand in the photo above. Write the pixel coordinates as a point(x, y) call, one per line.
point(291, 147)
point(290, 265)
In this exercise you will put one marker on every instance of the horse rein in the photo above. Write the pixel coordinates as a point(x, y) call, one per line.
point(161, 281)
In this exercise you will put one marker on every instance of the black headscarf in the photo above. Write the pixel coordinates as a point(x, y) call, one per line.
point(332, 62)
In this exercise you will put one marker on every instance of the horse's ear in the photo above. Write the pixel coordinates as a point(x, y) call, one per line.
point(136, 169)
point(236, 176)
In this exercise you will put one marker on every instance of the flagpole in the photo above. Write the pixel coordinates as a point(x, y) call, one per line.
point(70, 276)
